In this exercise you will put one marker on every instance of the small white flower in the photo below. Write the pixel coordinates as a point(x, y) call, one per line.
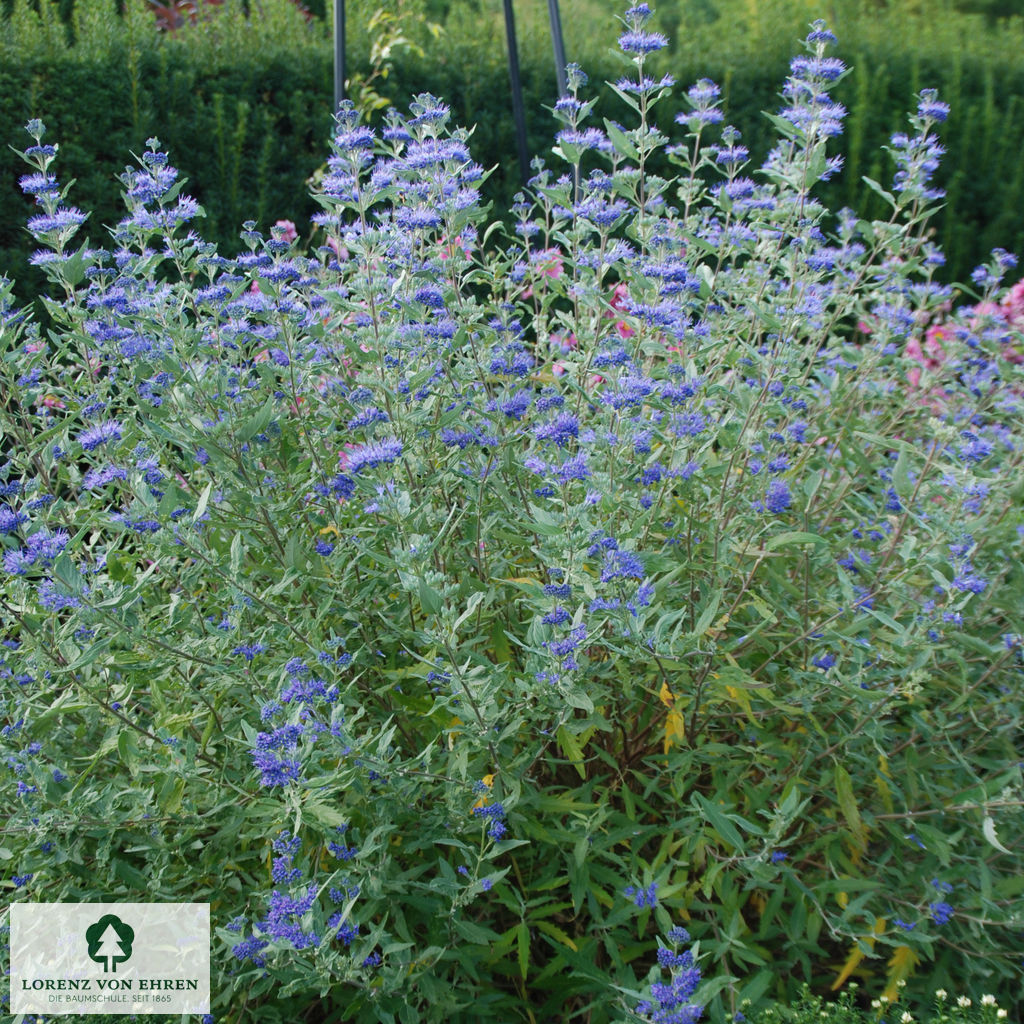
point(876, 1004)
point(941, 994)
point(1001, 1014)
point(963, 1001)
point(907, 1018)
point(902, 983)
point(988, 1000)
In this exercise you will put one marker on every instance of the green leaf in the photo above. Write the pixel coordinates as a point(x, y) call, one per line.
point(121, 568)
point(476, 933)
point(204, 500)
point(707, 616)
point(322, 814)
point(128, 749)
point(717, 817)
point(430, 599)
point(570, 746)
point(875, 187)
point(523, 948)
point(622, 143)
point(848, 804)
point(901, 480)
point(256, 423)
point(785, 540)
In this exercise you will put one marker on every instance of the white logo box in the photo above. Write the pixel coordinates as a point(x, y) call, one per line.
point(130, 958)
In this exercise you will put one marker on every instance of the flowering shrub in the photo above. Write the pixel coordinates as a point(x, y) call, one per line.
point(458, 613)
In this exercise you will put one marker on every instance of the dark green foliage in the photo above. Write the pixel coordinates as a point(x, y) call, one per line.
point(244, 107)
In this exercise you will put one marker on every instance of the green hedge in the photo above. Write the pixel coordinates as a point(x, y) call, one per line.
point(245, 106)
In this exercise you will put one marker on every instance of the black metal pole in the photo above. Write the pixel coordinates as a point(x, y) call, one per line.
point(558, 43)
point(339, 53)
point(518, 114)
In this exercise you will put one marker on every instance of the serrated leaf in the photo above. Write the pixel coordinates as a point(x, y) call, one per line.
point(570, 746)
point(988, 829)
point(556, 933)
point(901, 967)
point(675, 728)
point(857, 953)
point(476, 933)
point(523, 948)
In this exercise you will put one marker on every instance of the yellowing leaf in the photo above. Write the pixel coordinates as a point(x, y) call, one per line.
point(453, 732)
point(557, 934)
point(675, 728)
point(488, 781)
point(739, 697)
point(330, 529)
point(901, 967)
point(572, 747)
point(857, 954)
point(668, 698)
point(883, 791)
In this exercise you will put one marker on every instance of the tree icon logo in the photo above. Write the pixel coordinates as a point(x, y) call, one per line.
point(110, 942)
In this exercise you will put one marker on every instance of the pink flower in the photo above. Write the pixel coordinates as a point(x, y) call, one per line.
point(1010, 310)
point(618, 302)
point(1015, 296)
point(548, 263)
point(986, 309)
point(285, 230)
point(1013, 306)
point(563, 342)
point(448, 250)
point(337, 248)
point(343, 456)
point(931, 355)
point(933, 341)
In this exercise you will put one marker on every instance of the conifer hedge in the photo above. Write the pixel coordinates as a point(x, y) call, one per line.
point(242, 105)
